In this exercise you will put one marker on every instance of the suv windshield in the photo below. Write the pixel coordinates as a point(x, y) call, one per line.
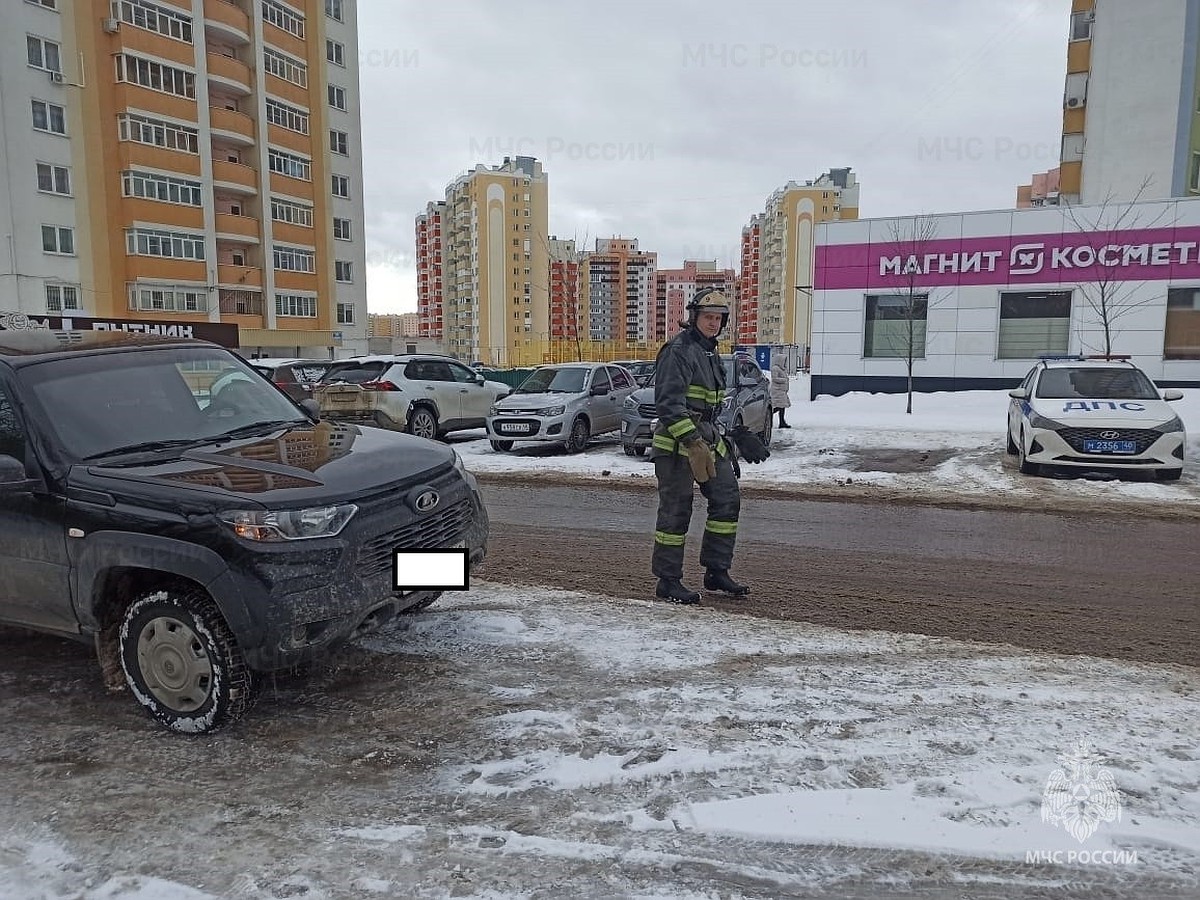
point(116, 402)
point(1095, 384)
point(554, 381)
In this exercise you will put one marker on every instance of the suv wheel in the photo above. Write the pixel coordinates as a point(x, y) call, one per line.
point(420, 605)
point(580, 434)
point(423, 423)
point(768, 425)
point(182, 663)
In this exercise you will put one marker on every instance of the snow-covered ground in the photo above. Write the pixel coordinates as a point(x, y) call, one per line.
point(592, 746)
point(868, 440)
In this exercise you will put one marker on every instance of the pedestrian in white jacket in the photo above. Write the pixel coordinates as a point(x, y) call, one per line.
point(780, 382)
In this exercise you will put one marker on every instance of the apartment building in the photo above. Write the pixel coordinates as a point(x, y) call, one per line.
point(181, 165)
point(430, 283)
point(746, 318)
point(495, 257)
point(675, 288)
point(1131, 102)
point(620, 296)
point(781, 299)
point(567, 325)
point(1042, 190)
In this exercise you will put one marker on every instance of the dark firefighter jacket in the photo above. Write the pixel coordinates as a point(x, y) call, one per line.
point(689, 385)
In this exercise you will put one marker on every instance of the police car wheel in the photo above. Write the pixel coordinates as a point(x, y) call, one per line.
point(1026, 467)
point(1011, 448)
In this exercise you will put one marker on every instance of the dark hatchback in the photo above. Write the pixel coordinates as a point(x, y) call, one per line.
point(199, 538)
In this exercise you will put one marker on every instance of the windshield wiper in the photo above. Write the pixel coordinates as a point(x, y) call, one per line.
point(144, 447)
point(255, 428)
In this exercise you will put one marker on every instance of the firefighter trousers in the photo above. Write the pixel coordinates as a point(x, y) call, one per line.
point(675, 494)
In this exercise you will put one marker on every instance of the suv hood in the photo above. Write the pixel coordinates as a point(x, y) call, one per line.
point(301, 466)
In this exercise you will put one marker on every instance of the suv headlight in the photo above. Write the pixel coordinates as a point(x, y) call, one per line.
point(288, 524)
point(550, 411)
point(630, 403)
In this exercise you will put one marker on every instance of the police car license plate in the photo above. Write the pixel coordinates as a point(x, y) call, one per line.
point(1110, 446)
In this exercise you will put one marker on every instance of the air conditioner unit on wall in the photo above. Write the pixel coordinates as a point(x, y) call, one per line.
point(56, 77)
point(1074, 101)
point(111, 26)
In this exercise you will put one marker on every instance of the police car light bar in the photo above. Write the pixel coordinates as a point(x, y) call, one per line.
point(1110, 356)
point(1051, 356)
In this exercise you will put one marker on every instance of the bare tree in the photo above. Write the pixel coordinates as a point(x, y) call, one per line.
point(910, 242)
point(1106, 292)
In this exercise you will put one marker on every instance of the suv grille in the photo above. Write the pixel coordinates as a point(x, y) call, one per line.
point(1076, 436)
point(438, 530)
point(647, 410)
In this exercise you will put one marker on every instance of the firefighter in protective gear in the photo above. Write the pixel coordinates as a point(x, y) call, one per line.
point(687, 447)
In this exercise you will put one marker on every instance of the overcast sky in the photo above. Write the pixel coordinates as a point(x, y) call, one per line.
point(672, 121)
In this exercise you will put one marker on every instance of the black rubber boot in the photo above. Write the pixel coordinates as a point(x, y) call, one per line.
point(673, 591)
point(719, 580)
point(783, 422)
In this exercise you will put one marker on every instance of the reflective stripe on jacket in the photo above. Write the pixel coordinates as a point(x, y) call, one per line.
point(689, 385)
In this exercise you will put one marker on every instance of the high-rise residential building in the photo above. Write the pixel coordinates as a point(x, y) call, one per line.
point(495, 258)
point(781, 300)
point(675, 288)
point(186, 163)
point(746, 311)
point(391, 325)
point(430, 282)
point(620, 299)
point(567, 326)
point(1130, 102)
point(1041, 191)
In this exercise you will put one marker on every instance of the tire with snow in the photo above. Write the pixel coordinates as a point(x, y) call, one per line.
point(581, 433)
point(423, 422)
point(1011, 447)
point(423, 604)
point(182, 662)
point(1023, 463)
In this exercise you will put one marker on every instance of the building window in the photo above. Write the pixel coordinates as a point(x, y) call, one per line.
point(284, 17)
point(337, 97)
point(333, 9)
point(1181, 340)
point(345, 313)
point(1194, 174)
point(43, 54)
point(288, 117)
point(296, 305)
point(167, 298)
point(335, 52)
point(339, 142)
point(58, 239)
point(295, 259)
point(343, 271)
point(158, 133)
point(53, 179)
point(341, 229)
point(165, 244)
point(49, 4)
point(147, 186)
point(285, 67)
point(156, 76)
point(1081, 24)
point(289, 164)
point(160, 19)
point(1033, 324)
point(49, 117)
point(341, 186)
point(886, 327)
point(61, 297)
point(291, 213)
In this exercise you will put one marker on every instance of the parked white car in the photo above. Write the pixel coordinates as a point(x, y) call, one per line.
point(424, 395)
point(1086, 413)
point(565, 404)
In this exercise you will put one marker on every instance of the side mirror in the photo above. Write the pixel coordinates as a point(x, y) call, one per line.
point(599, 390)
point(1172, 394)
point(12, 476)
point(479, 379)
point(311, 406)
point(1019, 393)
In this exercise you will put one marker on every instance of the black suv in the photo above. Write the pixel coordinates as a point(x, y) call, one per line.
point(163, 500)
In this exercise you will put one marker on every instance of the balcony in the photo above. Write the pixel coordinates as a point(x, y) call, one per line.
point(235, 127)
point(237, 178)
point(229, 74)
point(236, 302)
point(226, 21)
point(243, 276)
point(242, 228)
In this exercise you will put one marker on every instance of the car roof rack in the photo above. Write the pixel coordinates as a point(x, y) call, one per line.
point(1117, 357)
point(1050, 357)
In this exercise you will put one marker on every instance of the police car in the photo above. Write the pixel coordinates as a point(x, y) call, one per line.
point(1094, 413)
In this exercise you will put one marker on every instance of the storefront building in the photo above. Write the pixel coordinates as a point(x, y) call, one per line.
point(988, 293)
